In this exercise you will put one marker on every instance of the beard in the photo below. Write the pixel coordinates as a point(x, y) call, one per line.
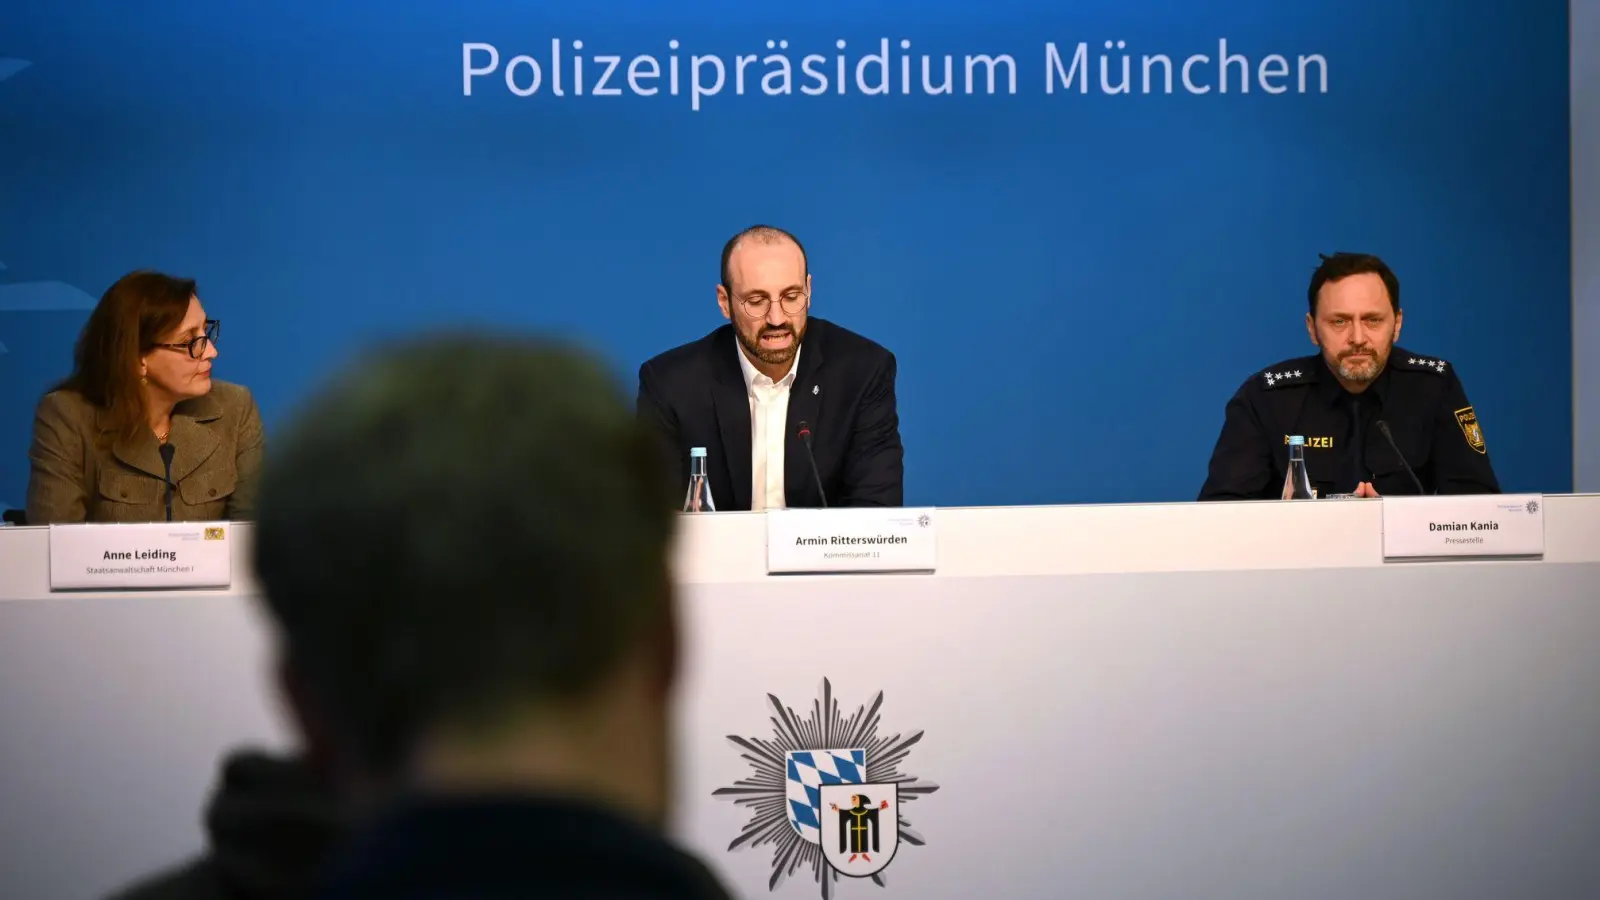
point(1361, 365)
point(772, 356)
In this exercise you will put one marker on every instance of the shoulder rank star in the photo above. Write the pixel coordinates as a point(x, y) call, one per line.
point(1274, 377)
point(1436, 364)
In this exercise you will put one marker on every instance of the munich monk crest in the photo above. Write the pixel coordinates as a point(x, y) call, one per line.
point(827, 793)
point(859, 833)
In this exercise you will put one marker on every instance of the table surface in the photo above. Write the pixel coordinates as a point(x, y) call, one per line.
point(721, 548)
point(1231, 699)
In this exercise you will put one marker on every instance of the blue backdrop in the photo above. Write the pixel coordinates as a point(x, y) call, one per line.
point(1074, 281)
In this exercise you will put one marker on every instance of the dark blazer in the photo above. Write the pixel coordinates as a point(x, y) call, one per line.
point(81, 472)
point(503, 846)
point(1419, 397)
point(271, 823)
point(695, 396)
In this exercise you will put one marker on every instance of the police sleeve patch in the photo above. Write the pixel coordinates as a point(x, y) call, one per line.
point(1467, 418)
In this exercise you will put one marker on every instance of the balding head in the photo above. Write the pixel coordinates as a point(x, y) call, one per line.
point(766, 294)
point(760, 235)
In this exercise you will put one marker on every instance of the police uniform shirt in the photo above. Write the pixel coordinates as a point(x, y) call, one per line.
point(1420, 398)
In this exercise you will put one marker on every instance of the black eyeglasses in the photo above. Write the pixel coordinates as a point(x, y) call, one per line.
point(196, 347)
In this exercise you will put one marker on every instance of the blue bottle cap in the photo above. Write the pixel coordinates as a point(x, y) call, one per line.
point(1297, 440)
point(701, 451)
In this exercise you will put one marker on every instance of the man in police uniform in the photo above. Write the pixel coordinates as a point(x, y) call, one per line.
point(1340, 398)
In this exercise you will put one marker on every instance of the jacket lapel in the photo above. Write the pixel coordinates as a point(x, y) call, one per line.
point(139, 453)
point(805, 405)
point(732, 402)
point(192, 440)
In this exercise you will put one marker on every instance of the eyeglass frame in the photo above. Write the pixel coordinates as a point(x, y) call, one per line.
point(783, 304)
point(196, 346)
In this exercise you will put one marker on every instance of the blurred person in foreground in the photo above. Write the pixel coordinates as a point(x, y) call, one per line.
point(464, 546)
point(270, 823)
point(141, 432)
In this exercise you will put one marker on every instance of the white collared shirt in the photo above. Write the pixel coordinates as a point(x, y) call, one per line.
point(769, 419)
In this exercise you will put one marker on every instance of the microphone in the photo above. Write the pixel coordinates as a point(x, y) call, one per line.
point(166, 462)
point(805, 438)
point(1383, 428)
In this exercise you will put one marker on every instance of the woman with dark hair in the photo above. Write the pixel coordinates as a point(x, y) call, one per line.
point(141, 432)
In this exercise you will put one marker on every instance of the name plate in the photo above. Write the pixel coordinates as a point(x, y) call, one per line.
point(140, 556)
point(1496, 525)
point(851, 540)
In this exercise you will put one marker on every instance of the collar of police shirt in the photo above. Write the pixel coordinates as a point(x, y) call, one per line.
point(769, 417)
point(1363, 409)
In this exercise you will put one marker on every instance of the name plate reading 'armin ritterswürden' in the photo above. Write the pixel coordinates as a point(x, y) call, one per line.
point(873, 539)
point(1488, 525)
point(143, 556)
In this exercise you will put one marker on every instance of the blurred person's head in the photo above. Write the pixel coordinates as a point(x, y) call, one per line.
point(464, 543)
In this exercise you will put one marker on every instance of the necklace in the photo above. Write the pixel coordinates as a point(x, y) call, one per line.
point(162, 437)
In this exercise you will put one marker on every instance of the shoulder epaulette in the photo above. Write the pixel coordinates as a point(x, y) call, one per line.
point(1288, 374)
point(1414, 363)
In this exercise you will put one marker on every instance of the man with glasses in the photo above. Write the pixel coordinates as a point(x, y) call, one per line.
point(752, 390)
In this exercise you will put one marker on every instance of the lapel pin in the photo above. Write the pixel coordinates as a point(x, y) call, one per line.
point(814, 390)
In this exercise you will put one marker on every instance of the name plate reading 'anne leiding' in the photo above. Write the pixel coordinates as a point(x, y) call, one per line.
point(142, 556)
point(851, 540)
point(1486, 525)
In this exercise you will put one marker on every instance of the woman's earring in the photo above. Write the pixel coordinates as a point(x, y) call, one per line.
point(144, 379)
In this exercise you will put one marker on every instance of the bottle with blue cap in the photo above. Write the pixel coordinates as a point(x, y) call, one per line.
point(1297, 483)
point(698, 499)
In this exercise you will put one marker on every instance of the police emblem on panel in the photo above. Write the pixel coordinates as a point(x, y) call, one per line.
point(828, 805)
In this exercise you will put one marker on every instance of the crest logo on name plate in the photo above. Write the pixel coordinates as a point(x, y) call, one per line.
point(827, 792)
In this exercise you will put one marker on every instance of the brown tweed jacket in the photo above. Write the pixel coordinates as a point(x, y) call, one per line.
point(80, 473)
